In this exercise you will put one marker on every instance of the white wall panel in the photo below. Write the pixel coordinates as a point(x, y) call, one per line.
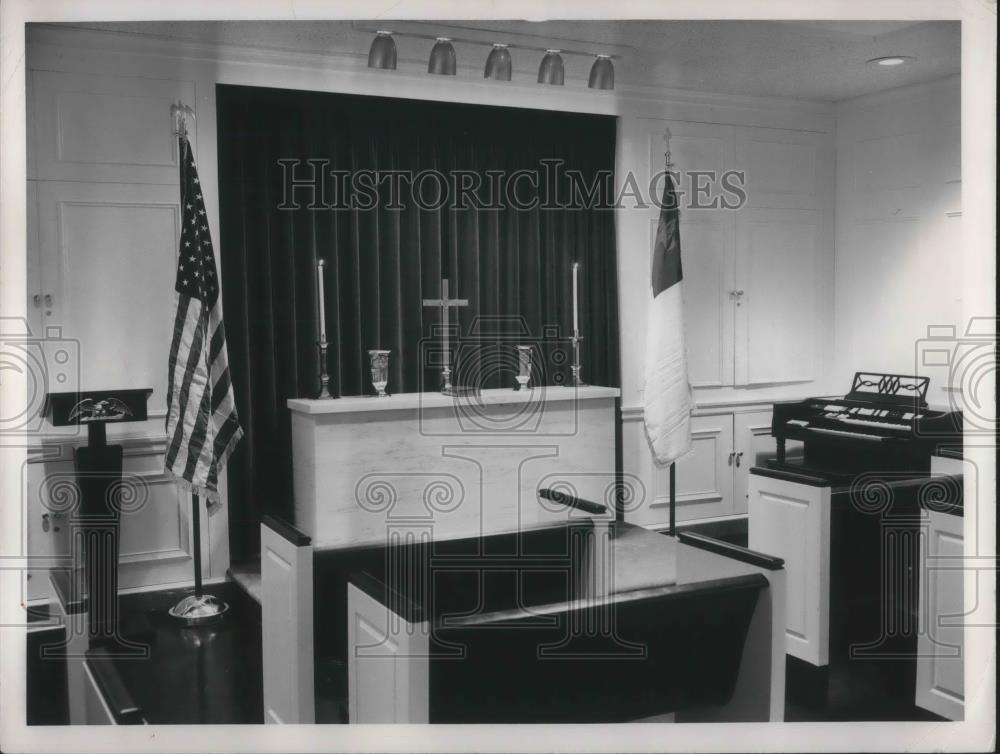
point(898, 229)
point(106, 128)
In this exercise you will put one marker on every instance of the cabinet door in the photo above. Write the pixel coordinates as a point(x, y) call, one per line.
point(109, 257)
point(33, 265)
point(779, 314)
point(706, 240)
point(156, 541)
point(706, 243)
point(704, 476)
point(784, 169)
point(754, 445)
point(106, 128)
point(940, 675)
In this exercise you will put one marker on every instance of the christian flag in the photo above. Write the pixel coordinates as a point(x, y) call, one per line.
point(668, 393)
point(202, 426)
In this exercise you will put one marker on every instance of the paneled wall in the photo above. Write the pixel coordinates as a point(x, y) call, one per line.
point(758, 295)
point(104, 217)
point(899, 236)
point(103, 196)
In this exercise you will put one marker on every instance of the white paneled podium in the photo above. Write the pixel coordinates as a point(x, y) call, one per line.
point(447, 466)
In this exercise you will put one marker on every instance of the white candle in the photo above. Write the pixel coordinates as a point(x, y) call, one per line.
point(322, 299)
point(576, 306)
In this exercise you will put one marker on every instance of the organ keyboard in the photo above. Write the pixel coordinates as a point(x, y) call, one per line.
point(888, 409)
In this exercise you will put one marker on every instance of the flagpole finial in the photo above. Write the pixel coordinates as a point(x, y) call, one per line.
point(180, 113)
point(666, 142)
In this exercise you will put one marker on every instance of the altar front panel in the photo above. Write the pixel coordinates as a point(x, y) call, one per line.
point(429, 466)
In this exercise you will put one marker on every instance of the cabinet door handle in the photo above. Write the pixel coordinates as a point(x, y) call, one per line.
point(37, 300)
point(738, 457)
point(732, 455)
point(48, 299)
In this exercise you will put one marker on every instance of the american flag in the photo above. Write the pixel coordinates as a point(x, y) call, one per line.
point(202, 425)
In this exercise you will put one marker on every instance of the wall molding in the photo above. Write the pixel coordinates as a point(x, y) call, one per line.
point(635, 412)
point(56, 448)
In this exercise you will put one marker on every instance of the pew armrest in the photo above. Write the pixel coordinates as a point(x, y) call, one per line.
point(732, 551)
point(115, 700)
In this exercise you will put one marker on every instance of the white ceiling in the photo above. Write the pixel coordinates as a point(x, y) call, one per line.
point(812, 60)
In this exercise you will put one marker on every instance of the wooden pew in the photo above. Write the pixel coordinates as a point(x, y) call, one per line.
point(714, 640)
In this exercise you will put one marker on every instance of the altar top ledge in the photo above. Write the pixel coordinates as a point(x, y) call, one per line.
point(402, 401)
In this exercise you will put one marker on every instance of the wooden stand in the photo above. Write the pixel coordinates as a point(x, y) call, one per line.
point(97, 522)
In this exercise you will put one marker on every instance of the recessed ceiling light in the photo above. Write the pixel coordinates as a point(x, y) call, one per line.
point(890, 60)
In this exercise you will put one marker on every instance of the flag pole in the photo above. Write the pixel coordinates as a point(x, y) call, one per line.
point(673, 498)
point(673, 464)
point(196, 535)
point(196, 609)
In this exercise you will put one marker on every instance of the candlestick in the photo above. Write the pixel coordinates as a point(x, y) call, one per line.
point(576, 305)
point(320, 265)
point(324, 378)
point(575, 368)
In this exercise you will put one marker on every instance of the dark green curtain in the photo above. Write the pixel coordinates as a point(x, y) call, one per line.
point(513, 263)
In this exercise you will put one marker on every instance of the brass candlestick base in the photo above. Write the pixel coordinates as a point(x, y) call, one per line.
point(324, 378)
point(523, 368)
point(379, 358)
point(577, 380)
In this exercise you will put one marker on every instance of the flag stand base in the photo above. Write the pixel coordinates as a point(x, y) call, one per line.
point(198, 609)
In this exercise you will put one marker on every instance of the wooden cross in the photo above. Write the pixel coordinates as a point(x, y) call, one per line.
point(443, 303)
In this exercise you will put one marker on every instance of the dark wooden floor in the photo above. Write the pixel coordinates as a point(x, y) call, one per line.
point(805, 690)
point(210, 674)
point(213, 674)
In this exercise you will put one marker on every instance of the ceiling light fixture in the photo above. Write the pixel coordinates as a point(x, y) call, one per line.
point(442, 61)
point(383, 51)
point(498, 63)
point(889, 61)
point(551, 70)
point(602, 73)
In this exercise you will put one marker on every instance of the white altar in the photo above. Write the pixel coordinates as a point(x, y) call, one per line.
point(427, 465)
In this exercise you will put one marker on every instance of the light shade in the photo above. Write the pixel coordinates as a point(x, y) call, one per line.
point(551, 69)
point(602, 73)
point(383, 51)
point(442, 61)
point(889, 61)
point(498, 65)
